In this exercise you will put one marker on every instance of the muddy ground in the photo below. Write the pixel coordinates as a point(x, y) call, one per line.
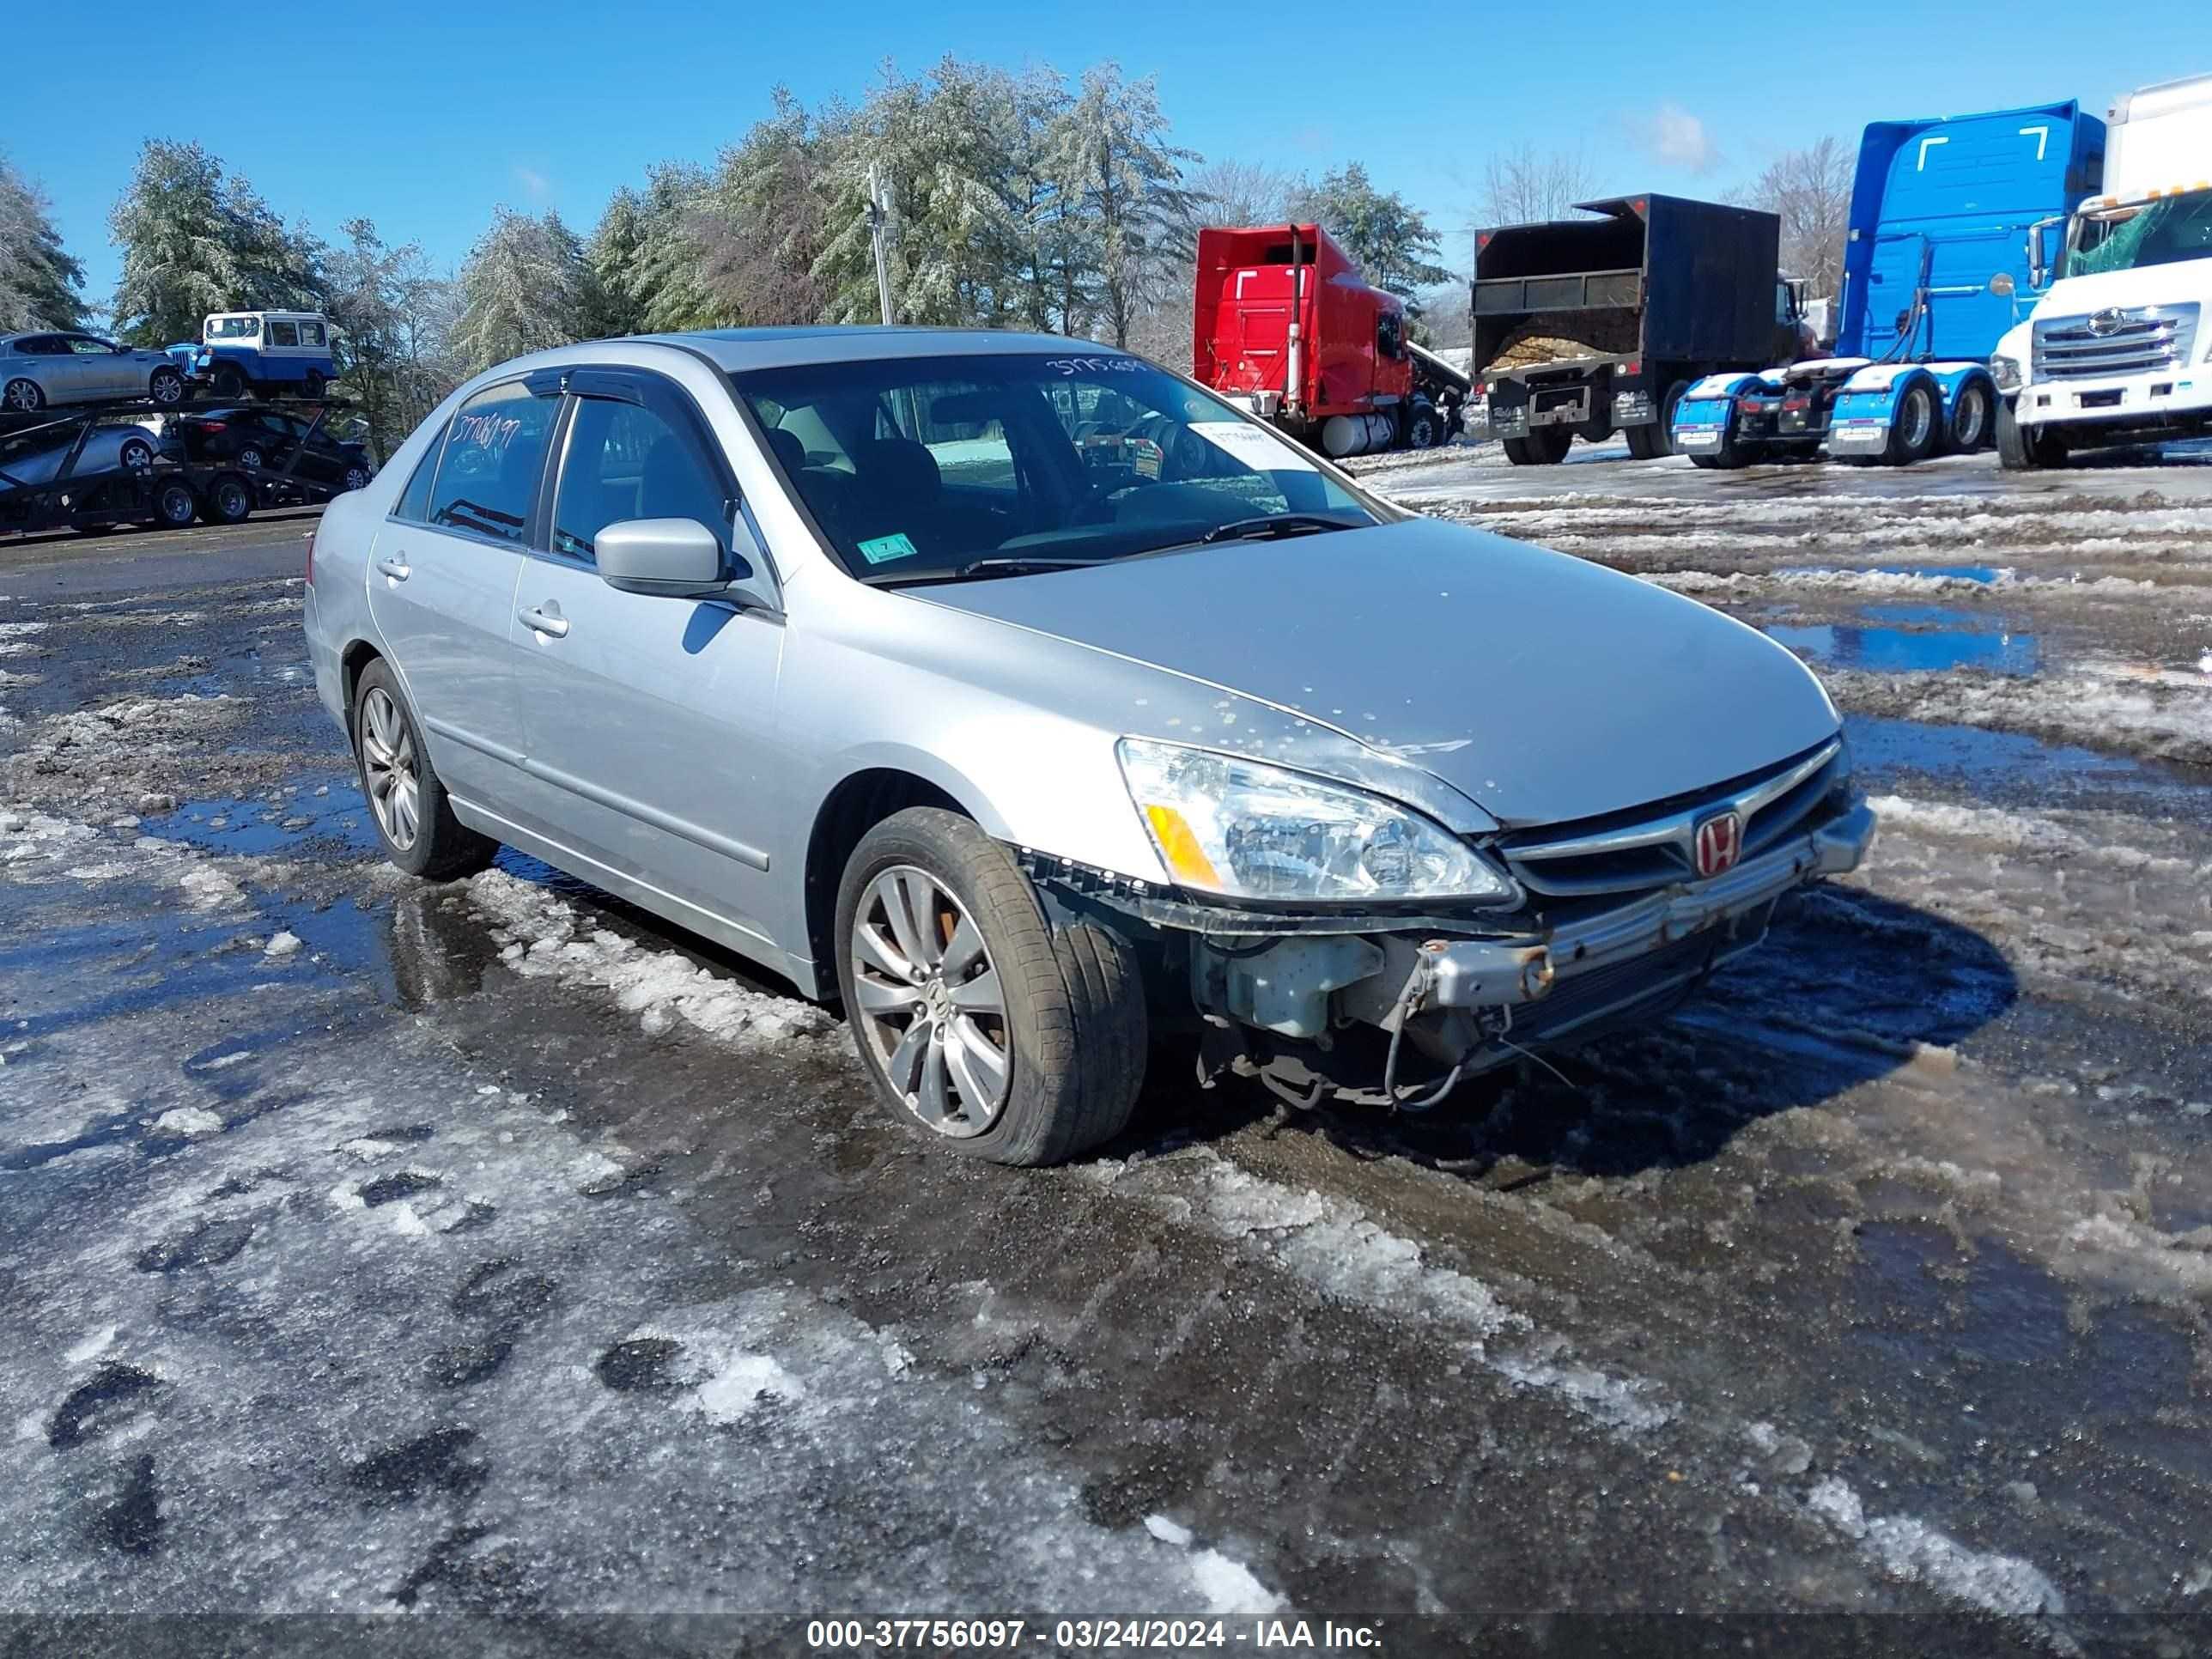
point(468, 1260)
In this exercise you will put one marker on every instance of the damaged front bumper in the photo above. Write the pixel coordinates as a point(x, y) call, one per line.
point(1468, 1001)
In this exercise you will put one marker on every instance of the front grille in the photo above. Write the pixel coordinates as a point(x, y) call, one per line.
point(1654, 846)
point(2140, 340)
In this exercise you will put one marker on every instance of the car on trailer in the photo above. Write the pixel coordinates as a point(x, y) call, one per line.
point(90, 471)
point(269, 354)
point(57, 369)
point(262, 439)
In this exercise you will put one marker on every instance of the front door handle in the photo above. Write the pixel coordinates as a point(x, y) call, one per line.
point(398, 568)
point(545, 618)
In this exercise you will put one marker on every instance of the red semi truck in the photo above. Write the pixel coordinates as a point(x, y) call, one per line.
point(1284, 325)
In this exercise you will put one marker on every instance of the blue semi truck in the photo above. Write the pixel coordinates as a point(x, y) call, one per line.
point(1935, 269)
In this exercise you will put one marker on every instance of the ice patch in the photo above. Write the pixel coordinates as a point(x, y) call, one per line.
point(1907, 1547)
point(1229, 1586)
point(189, 1120)
point(745, 1381)
point(284, 944)
point(1167, 1531)
point(93, 1347)
point(660, 986)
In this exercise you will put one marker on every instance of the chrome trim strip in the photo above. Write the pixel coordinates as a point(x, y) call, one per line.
point(1677, 827)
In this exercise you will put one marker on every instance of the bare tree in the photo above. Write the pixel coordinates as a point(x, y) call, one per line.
point(1240, 192)
point(1810, 191)
point(1524, 185)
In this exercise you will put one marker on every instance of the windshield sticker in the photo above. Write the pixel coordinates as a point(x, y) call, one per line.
point(1261, 451)
point(882, 550)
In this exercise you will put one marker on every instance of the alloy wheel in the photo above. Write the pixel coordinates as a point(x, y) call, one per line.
point(390, 769)
point(1919, 419)
point(23, 397)
point(931, 1006)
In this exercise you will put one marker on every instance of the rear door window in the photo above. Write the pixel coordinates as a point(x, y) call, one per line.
point(489, 469)
point(283, 334)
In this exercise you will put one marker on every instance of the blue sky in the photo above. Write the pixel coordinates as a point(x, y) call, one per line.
point(424, 116)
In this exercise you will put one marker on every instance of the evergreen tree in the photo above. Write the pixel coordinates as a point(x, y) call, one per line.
point(764, 224)
point(39, 283)
point(524, 287)
point(612, 255)
point(1134, 210)
point(195, 241)
point(1391, 242)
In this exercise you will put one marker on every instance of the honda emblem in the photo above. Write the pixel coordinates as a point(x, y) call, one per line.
point(1719, 843)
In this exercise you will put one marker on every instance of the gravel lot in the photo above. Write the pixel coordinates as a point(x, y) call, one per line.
point(486, 1256)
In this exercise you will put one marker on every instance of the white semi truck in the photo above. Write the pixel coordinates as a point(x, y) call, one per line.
point(2118, 350)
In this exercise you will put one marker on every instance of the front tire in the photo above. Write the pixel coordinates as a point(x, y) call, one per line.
point(230, 384)
point(414, 822)
point(135, 454)
point(1424, 427)
point(976, 1019)
point(167, 387)
point(2025, 448)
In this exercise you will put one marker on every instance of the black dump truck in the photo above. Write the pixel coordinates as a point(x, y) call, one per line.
point(1586, 327)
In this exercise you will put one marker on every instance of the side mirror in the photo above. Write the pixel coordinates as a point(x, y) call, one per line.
point(2039, 269)
point(681, 559)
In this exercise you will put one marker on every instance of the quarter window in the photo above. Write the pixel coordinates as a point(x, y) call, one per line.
point(311, 334)
point(283, 334)
point(625, 461)
point(489, 469)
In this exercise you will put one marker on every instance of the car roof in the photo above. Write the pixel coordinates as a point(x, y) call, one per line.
point(735, 349)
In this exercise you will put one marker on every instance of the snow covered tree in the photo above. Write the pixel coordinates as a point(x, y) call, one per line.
point(1135, 211)
point(394, 322)
point(39, 282)
point(195, 241)
point(613, 254)
point(524, 287)
point(1390, 241)
point(763, 225)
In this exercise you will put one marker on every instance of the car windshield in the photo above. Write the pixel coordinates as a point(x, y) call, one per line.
point(2164, 232)
point(925, 468)
point(233, 328)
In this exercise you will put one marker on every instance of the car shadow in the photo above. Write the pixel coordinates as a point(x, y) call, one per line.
point(1848, 988)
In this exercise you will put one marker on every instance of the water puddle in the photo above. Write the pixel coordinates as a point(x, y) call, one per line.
point(1986, 575)
point(246, 828)
point(1910, 650)
point(2008, 768)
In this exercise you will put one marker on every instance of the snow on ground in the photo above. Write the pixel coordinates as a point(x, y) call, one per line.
point(2150, 717)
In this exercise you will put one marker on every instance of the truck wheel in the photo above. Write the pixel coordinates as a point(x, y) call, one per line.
point(1969, 427)
point(1916, 428)
point(175, 505)
point(313, 387)
point(230, 384)
point(228, 500)
point(1546, 446)
point(1645, 443)
point(1675, 393)
point(975, 1020)
point(1423, 427)
point(2025, 449)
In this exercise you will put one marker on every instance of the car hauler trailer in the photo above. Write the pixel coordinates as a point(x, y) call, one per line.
point(1283, 323)
point(1935, 270)
point(2119, 349)
point(1586, 327)
point(93, 466)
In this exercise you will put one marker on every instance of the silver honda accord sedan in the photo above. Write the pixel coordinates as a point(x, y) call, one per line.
point(1037, 705)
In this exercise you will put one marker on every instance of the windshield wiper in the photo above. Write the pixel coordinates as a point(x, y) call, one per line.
point(1003, 565)
point(1269, 526)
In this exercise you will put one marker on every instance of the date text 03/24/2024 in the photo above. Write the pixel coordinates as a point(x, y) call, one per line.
point(832, 1634)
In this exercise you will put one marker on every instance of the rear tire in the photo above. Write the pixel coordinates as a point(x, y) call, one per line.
point(2025, 449)
point(1645, 443)
point(1546, 446)
point(136, 455)
point(1916, 428)
point(1062, 1014)
point(229, 501)
point(414, 822)
point(1424, 427)
point(175, 505)
point(312, 387)
point(1968, 429)
point(24, 397)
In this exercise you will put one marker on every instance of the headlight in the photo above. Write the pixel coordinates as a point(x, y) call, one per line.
point(1247, 830)
point(2005, 370)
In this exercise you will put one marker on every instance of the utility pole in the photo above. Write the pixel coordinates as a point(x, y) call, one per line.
point(880, 233)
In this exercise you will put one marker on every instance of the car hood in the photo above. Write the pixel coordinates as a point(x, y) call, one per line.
point(1541, 687)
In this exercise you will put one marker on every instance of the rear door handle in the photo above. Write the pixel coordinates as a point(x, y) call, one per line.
point(545, 619)
point(398, 569)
